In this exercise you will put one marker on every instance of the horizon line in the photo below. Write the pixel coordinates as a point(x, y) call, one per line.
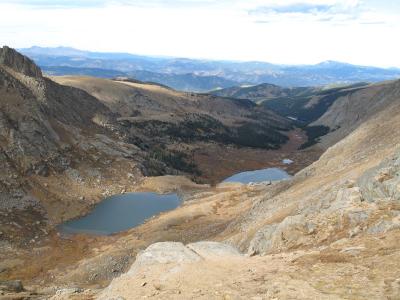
point(208, 59)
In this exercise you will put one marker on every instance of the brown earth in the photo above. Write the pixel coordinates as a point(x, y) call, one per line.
point(217, 162)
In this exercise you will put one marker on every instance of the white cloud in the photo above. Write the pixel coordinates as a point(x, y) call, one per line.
point(339, 30)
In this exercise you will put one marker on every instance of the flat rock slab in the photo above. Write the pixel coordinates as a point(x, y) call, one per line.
point(178, 253)
point(164, 253)
point(211, 250)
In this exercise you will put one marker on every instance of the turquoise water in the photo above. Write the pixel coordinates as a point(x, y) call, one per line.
point(270, 174)
point(121, 212)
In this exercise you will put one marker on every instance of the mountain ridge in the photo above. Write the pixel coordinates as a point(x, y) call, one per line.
point(65, 50)
point(191, 74)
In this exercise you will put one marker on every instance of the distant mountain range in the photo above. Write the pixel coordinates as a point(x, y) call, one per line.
point(200, 75)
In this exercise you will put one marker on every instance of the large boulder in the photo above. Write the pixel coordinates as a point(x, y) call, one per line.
point(213, 250)
point(178, 253)
point(262, 240)
point(292, 232)
point(164, 253)
point(382, 182)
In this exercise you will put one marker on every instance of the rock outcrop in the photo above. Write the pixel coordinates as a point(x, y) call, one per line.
point(177, 253)
point(171, 257)
point(18, 62)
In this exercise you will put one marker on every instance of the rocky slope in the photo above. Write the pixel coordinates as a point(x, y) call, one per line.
point(327, 114)
point(352, 109)
point(326, 234)
point(19, 63)
point(333, 114)
point(58, 150)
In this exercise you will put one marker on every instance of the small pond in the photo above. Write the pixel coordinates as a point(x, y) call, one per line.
point(287, 161)
point(121, 212)
point(270, 174)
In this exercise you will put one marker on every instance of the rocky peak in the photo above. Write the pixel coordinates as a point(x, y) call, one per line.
point(19, 63)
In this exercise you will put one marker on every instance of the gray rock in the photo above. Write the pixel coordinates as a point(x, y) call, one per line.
point(383, 226)
point(74, 175)
point(177, 253)
point(261, 242)
point(19, 63)
point(210, 250)
point(357, 217)
point(293, 231)
point(67, 293)
point(163, 253)
point(382, 182)
point(346, 198)
point(11, 286)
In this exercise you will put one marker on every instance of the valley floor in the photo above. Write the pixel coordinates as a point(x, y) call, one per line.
point(217, 162)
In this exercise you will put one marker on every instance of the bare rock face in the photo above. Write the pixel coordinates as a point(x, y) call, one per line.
point(382, 182)
point(163, 253)
point(11, 286)
point(19, 63)
point(371, 207)
point(177, 253)
point(213, 250)
point(171, 257)
point(261, 243)
point(293, 231)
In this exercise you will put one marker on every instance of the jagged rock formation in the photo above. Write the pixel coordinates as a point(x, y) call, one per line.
point(18, 62)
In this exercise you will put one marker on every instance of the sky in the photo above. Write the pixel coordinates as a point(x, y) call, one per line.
point(364, 32)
